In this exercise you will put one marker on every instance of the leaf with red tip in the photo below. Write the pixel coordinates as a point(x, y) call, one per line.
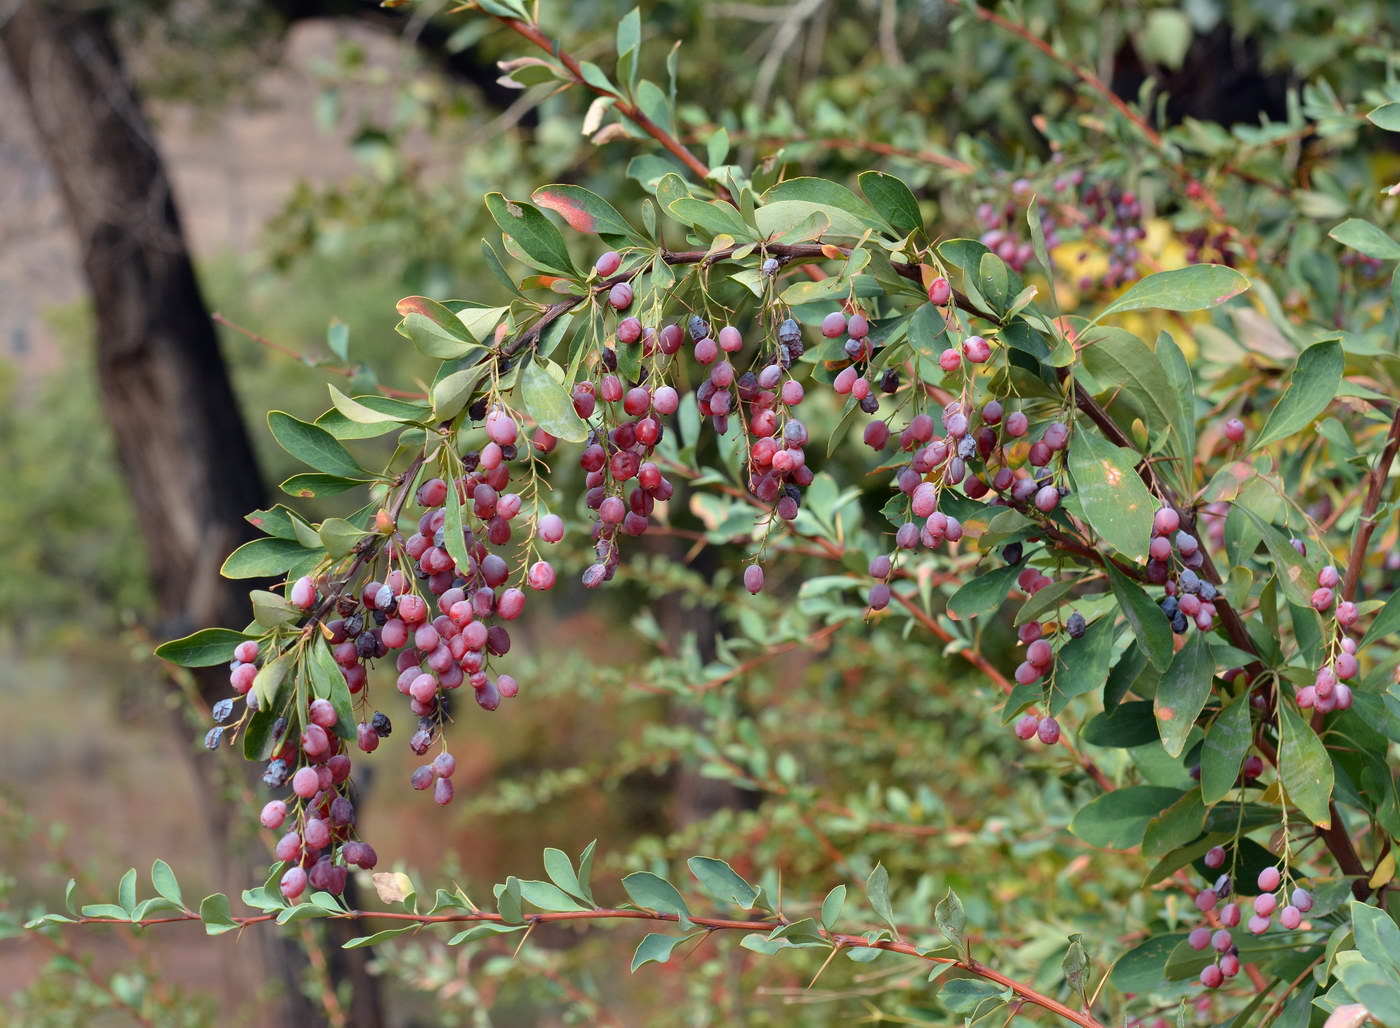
point(584, 210)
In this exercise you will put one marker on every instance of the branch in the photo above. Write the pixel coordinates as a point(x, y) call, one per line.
point(1367, 525)
point(837, 939)
point(624, 107)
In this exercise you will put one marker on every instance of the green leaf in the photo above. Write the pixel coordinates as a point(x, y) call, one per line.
point(584, 210)
point(1304, 767)
point(561, 872)
point(983, 594)
point(1183, 419)
point(651, 892)
point(113, 910)
point(877, 888)
point(508, 901)
point(1149, 624)
point(1194, 288)
point(1175, 826)
point(1366, 239)
point(1144, 967)
point(126, 890)
point(1127, 725)
point(1182, 692)
point(267, 684)
point(483, 931)
point(951, 918)
point(548, 896)
point(327, 683)
point(1294, 575)
point(258, 740)
point(892, 199)
point(721, 881)
point(1118, 819)
point(548, 402)
point(1122, 365)
point(313, 446)
point(712, 217)
point(378, 937)
point(313, 486)
point(1046, 599)
point(1111, 495)
point(339, 536)
point(165, 883)
point(832, 906)
point(362, 413)
point(214, 912)
point(827, 195)
point(208, 647)
point(267, 558)
point(1387, 623)
point(1386, 116)
point(533, 233)
point(971, 997)
point(1081, 665)
point(1376, 934)
point(655, 949)
point(1310, 390)
point(1075, 965)
point(928, 331)
point(454, 391)
point(1226, 745)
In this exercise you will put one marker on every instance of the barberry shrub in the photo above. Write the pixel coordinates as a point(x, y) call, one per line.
point(1163, 499)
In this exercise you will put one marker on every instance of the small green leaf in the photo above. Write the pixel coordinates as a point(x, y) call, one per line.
point(892, 199)
point(1366, 239)
point(1118, 819)
point(1182, 693)
point(1081, 665)
point(561, 872)
point(339, 536)
point(126, 890)
point(824, 194)
point(482, 931)
point(651, 892)
point(213, 911)
point(1386, 116)
point(655, 948)
point(712, 217)
point(1311, 389)
point(951, 918)
point(1075, 965)
point(508, 901)
point(877, 888)
point(363, 414)
point(533, 233)
point(111, 910)
point(1149, 624)
point(313, 446)
point(378, 937)
point(1294, 574)
point(1304, 767)
point(1175, 826)
point(971, 997)
point(165, 883)
point(832, 906)
point(1387, 621)
point(313, 486)
point(1226, 745)
point(982, 594)
point(1111, 495)
point(548, 896)
point(267, 558)
point(1193, 288)
point(327, 683)
point(548, 402)
point(267, 684)
point(208, 647)
point(721, 881)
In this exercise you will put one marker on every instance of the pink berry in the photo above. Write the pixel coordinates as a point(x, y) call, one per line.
point(1221, 940)
point(246, 651)
point(753, 578)
point(1215, 857)
point(1258, 924)
point(1290, 918)
point(1230, 915)
point(939, 291)
point(1027, 727)
point(1234, 430)
point(1199, 938)
point(293, 883)
point(541, 575)
point(1212, 977)
point(1049, 731)
point(949, 359)
point(1265, 905)
point(1322, 598)
point(1206, 899)
point(501, 427)
point(273, 814)
point(304, 593)
point(608, 263)
point(1302, 899)
point(1166, 521)
point(620, 296)
point(1269, 879)
point(834, 325)
point(1017, 424)
point(730, 341)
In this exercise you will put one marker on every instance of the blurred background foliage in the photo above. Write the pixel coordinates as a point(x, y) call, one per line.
point(636, 725)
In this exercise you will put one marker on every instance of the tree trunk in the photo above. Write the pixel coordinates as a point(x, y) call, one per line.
point(182, 444)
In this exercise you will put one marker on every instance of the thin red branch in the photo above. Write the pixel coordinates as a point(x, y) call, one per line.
point(623, 106)
point(1366, 526)
point(980, 970)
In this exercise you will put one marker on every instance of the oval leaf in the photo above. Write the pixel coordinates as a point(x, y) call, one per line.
point(1184, 289)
